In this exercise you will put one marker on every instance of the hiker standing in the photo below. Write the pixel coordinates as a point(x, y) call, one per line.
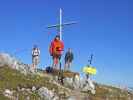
point(55, 50)
point(35, 57)
point(68, 59)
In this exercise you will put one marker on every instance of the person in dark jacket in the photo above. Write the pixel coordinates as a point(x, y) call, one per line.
point(68, 59)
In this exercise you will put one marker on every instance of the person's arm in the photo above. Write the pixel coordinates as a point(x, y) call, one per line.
point(66, 56)
point(39, 51)
point(62, 45)
point(72, 56)
point(32, 52)
point(51, 48)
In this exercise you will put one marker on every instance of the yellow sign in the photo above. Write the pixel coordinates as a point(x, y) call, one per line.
point(89, 70)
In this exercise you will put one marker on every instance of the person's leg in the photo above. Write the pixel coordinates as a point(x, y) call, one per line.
point(66, 65)
point(33, 64)
point(36, 63)
point(56, 62)
point(69, 65)
point(53, 61)
point(33, 67)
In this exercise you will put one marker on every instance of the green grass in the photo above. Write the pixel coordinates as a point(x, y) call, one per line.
point(11, 79)
point(113, 93)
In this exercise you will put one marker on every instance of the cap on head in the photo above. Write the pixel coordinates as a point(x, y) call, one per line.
point(57, 36)
point(69, 49)
point(35, 46)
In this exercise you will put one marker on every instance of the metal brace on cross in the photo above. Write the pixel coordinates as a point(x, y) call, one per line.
point(60, 25)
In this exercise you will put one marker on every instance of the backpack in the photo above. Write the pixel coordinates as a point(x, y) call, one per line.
point(49, 69)
point(36, 52)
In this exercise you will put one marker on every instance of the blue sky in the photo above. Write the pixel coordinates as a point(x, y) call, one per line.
point(104, 28)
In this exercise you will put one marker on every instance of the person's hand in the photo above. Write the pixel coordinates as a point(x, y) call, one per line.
point(60, 49)
point(51, 54)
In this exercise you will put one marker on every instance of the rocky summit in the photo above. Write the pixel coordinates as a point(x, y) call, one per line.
point(19, 82)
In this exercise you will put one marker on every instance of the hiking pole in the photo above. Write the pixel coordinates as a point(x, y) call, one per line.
point(90, 60)
point(60, 74)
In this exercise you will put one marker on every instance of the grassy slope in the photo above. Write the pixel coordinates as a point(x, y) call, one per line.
point(11, 79)
point(103, 92)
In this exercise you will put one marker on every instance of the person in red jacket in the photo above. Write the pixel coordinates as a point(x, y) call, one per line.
point(56, 49)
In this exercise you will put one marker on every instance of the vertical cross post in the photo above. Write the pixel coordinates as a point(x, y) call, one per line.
point(60, 24)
